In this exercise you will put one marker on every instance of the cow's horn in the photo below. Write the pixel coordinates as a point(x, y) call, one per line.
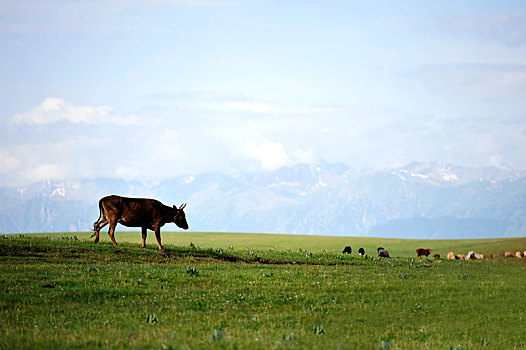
point(182, 206)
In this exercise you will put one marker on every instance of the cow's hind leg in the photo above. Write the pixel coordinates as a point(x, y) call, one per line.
point(144, 233)
point(97, 227)
point(111, 232)
point(100, 223)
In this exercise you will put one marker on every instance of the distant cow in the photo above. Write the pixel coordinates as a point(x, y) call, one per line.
point(460, 257)
point(507, 255)
point(361, 251)
point(137, 212)
point(436, 256)
point(493, 256)
point(451, 256)
point(383, 253)
point(519, 254)
point(422, 251)
point(347, 250)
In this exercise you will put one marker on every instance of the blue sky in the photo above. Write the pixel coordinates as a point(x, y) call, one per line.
point(147, 90)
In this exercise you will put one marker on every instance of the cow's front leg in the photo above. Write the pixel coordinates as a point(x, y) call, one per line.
point(144, 233)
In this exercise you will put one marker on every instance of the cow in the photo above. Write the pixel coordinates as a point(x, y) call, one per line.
point(460, 257)
point(493, 256)
point(519, 254)
point(507, 255)
point(451, 256)
point(383, 253)
point(422, 251)
point(347, 250)
point(436, 256)
point(361, 252)
point(137, 212)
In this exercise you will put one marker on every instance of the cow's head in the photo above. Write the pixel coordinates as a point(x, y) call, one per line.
point(180, 217)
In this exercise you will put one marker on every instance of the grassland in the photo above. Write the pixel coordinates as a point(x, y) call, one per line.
point(396, 247)
point(234, 291)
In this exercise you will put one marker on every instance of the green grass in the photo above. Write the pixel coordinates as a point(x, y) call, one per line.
point(268, 292)
point(396, 247)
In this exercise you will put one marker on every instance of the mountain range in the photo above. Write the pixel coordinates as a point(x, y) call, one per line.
point(419, 200)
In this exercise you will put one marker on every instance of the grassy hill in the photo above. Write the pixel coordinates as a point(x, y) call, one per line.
point(396, 247)
point(232, 291)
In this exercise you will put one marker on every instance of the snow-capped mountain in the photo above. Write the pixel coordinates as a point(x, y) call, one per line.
point(419, 200)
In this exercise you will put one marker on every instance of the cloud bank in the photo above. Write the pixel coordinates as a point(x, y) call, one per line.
point(53, 110)
point(148, 90)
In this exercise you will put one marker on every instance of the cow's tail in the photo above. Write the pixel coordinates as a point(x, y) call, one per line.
point(101, 215)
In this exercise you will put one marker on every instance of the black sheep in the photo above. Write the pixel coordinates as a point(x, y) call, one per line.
point(347, 250)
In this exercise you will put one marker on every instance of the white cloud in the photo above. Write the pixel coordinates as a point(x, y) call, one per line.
point(166, 148)
point(270, 108)
point(271, 155)
point(248, 107)
point(8, 162)
point(128, 172)
point(304, 156)
point(53, 110)
point(44, 172)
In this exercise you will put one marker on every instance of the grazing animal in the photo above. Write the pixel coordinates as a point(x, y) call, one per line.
point(451, 256)
point(436, 256)
point(422, 251)
point(480, 256)
point(471, 255)
point(507, 255)
point(361, 251)
point(460, 257)
point(347, 250)
point(383, 253)
point(137, 212)
point(493, 256)
point(519, 254)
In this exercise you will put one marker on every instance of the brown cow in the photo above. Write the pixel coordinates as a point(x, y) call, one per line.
point(422, 251)
point(383, 253)
point(137, 212)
